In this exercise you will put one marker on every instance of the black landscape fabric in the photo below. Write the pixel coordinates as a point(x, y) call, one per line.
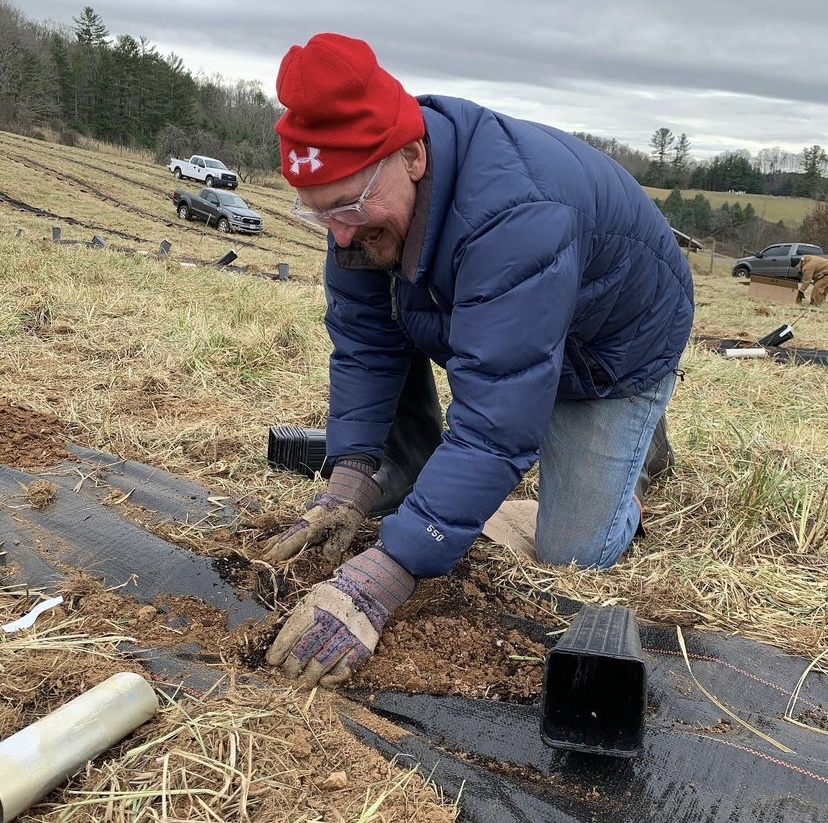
point(697, 765)
point(77, 530)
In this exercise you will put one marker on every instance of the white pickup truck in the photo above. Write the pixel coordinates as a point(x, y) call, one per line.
point(207, 170)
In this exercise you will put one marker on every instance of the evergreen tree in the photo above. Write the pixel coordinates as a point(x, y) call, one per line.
point(679, 165)
point(692, 216)
point(59, 54)
point(814, 160)
point(732, 171)
point(125, 88)
point(90, 29)
point(177, 93)
point(90, 65)
point(661, 143)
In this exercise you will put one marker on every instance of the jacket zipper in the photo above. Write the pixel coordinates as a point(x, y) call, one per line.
point(394, 307)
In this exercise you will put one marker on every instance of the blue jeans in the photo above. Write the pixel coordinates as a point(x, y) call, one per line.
point(590, 460)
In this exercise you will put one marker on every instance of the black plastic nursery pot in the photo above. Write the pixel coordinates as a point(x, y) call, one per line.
point(595, 685)
point(297, 449)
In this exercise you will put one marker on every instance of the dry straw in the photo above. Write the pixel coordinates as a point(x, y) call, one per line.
point(186, 368)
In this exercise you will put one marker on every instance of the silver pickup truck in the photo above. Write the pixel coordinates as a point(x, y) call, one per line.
point(777, 260)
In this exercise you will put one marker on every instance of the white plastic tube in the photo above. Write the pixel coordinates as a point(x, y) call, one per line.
point(43, 755)
point(746, 353)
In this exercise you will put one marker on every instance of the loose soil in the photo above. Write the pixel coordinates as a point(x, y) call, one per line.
point(452, 637)
point(29, 439)
point(449, 638)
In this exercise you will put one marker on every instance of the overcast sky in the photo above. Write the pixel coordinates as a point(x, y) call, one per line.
point(731, 74)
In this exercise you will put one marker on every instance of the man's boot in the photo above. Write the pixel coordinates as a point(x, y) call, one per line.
point(659, 462)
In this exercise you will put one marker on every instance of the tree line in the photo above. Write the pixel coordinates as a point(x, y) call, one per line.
point(79, 81)
point(735, 227)
point(738, 228)
point(773, 171)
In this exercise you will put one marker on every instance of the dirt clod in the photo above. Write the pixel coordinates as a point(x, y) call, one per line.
point(28, 438)
point(335, 781)
point(40, 493)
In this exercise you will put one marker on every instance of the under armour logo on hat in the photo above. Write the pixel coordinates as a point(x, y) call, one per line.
point(311, 160)
point(338, 98)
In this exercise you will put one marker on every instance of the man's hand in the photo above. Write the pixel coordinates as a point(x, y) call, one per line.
point(335, 517)
point(336, 627)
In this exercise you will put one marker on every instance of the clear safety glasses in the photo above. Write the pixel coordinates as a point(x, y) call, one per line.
point(353, 214)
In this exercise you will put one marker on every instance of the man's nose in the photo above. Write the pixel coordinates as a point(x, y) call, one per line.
point(342, 232)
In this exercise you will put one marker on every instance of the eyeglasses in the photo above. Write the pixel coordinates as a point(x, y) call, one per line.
point(353, 214)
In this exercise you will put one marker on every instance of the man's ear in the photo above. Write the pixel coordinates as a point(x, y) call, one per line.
point(414, 157)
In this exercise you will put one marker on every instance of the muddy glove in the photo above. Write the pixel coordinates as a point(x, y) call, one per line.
point(335, 516)
point(335, 628)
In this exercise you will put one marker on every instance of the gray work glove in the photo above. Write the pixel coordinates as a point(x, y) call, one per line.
point(335, 516)
point(335, 628)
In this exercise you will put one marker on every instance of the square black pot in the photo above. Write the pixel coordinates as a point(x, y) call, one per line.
point(595, 685)
point(297, 449)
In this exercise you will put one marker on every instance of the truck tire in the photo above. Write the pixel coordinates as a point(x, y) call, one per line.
point(177, 173)
point(183, 211)
point(209, 182)
point(742, 271)
point(223, 225)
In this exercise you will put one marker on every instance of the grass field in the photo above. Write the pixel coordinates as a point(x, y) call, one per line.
point(238, 352)
point(790, 210)
point(186, 367)
point(126, 200)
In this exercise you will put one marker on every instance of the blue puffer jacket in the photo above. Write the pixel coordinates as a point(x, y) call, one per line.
point(535, 268)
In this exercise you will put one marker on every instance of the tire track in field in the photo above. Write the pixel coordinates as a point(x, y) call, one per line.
point(85, 185)
point(38, 212)
point(164, 192)
point(72, 221)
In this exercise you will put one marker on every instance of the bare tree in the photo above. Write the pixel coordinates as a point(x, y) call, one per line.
point(769, 160)
point(815, 226)
point(26, 78)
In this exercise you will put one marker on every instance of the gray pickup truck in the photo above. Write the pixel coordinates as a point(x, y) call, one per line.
point(777, 260)
point(222, 209)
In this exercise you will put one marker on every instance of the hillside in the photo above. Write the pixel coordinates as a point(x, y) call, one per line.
point(136, 400)
point(790, 210)
point(124, 199)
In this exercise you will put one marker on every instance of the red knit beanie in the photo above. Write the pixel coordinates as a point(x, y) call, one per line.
point(344, 112)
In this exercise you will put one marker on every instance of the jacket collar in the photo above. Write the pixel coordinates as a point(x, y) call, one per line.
point(353, 257)
point(412, 251)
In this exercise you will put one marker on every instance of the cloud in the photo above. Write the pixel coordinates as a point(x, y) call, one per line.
point(731, 75)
